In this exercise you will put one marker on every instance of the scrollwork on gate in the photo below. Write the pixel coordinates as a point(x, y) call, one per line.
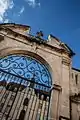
point(27, 67)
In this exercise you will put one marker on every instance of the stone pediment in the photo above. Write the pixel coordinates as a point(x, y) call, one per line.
point(55, 42)
point(52, 40)
point(22, 32)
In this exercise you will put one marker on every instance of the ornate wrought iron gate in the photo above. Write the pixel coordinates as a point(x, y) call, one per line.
point(24, 99)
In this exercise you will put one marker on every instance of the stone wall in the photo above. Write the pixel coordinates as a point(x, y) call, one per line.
point(75, 94)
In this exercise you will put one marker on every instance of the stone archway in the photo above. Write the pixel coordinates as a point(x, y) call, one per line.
point(25, 94)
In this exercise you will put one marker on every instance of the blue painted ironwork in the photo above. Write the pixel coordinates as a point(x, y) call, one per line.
point(19, 97)
point(24, 81)
point(27, 67)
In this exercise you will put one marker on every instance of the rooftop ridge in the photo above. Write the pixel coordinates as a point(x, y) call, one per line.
point(76, 69)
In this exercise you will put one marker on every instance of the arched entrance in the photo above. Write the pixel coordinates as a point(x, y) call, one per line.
point(25, 87)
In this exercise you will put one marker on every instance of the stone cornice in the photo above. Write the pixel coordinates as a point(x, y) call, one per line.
point(15, 25)
point(57, 87)
point(75, 98)
point(78, 70)
point(30, 38)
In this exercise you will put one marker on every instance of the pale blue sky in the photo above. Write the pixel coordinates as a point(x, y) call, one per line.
point(58, 17)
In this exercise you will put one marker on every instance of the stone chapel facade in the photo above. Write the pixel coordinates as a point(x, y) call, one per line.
point(64, 102)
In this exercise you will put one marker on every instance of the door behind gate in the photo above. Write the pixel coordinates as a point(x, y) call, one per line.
point(23, 99)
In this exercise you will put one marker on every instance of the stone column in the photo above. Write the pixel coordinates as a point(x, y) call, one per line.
point(65, 109)
point(54, 103)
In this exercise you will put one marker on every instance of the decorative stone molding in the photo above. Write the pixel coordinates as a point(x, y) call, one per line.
point(57, 87)
point(66, 61)
point(75, 98)
point(63, 118)
point(30, 38)
point(1, 37)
